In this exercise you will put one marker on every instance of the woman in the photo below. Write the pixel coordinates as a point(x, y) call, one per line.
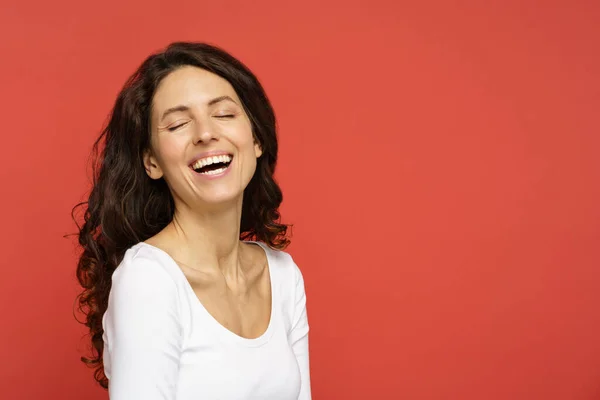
point(188, 291)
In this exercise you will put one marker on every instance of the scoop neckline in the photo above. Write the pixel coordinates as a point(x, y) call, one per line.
point(227, 333)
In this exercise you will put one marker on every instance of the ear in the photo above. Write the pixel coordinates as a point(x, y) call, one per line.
point(257, 149)
point(151, 165)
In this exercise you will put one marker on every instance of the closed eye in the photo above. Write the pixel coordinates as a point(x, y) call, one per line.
point(174, 128)
point(225, 116)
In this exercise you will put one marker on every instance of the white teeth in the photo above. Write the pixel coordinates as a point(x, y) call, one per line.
point(214, 172)
point(211, 160)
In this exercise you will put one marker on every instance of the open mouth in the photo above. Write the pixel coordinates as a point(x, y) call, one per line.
point(212, 165)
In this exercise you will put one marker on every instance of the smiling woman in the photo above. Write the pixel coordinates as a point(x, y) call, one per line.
point(187, 288)
point(193, 106)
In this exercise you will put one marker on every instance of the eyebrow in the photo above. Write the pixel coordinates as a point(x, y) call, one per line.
point(182, 107)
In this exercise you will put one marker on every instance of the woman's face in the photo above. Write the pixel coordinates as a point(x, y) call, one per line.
point(201, 138)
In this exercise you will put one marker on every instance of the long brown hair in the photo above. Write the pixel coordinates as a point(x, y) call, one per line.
point(126, 207)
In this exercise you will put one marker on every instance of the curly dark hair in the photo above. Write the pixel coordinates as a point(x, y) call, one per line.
point(125, 206)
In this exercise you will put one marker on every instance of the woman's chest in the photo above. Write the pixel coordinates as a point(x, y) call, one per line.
point(227, 370)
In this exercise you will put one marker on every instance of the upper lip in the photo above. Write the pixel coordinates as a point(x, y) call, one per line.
point(209, 154)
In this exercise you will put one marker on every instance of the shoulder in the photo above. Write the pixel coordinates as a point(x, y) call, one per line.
point(144, 268)
point(288, 287)
point(144, 297)
point(284, 269)
point(281, 259)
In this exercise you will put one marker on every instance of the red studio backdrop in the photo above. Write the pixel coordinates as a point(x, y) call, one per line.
point(439, 162)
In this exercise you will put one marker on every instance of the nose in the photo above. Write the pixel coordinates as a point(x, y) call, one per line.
point(205, 133)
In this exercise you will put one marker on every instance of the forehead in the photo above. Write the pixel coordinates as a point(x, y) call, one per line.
point(192, 86)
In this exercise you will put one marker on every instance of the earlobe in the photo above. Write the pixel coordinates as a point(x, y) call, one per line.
point(257, 149)
point(151, 166)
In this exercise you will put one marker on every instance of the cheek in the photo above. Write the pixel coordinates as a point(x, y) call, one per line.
point(243, 133)
point(248, 142)
point(170, 151)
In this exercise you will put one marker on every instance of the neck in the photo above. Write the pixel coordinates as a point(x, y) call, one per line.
point(209, 239)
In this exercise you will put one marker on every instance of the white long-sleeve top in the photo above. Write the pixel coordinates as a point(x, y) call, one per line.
point(160, 343)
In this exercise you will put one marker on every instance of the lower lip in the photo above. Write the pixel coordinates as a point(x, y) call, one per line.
point(213, 176)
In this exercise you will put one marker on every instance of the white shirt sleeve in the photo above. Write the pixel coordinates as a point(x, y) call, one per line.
point(143, 335)
point(299, 335)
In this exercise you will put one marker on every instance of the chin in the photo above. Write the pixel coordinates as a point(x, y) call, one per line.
point(223, 198)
